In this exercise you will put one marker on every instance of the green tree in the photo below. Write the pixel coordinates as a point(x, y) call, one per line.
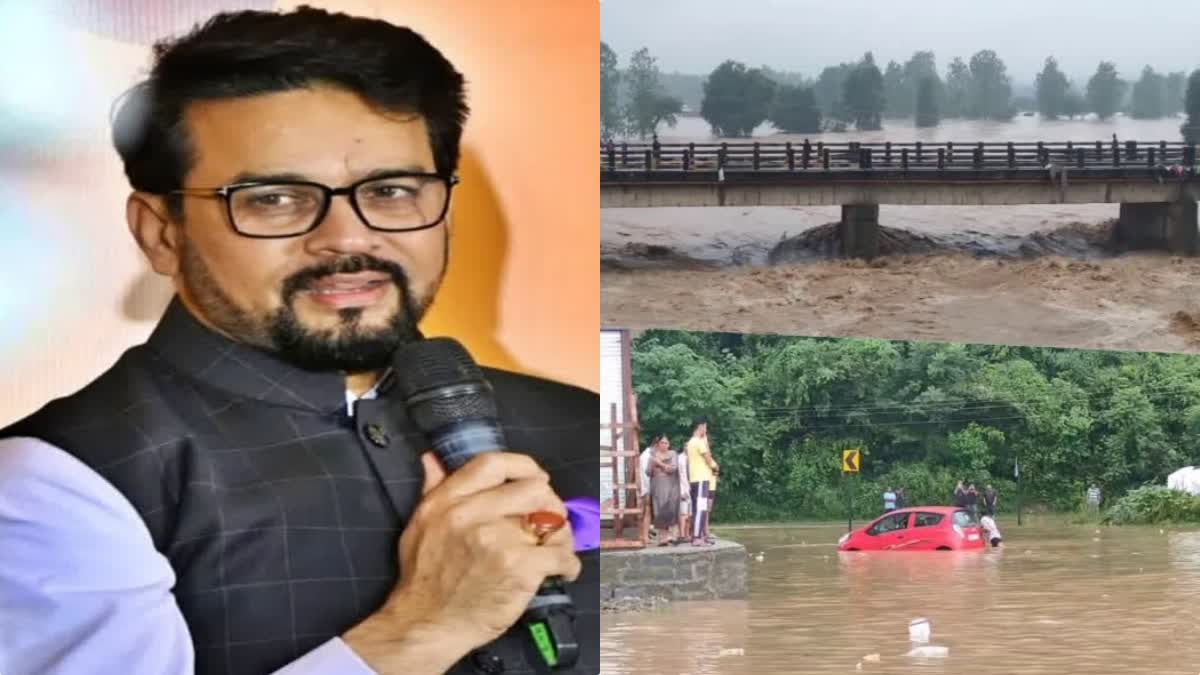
point(666, 111)
point(991, 88)
point(1105, 90)
point(736, 99)
point(893, 91)
point(644, 108)
point(1176, 89)
point(927, 103)
point(1052, 88)
point(1191, 128)
point(921, 66)
point(795, 110)
point(958, 89)
point(828, 91)
point(862, 94)
point(610, 83)
point(1149, 96)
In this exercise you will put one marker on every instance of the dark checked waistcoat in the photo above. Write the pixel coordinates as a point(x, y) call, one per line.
point(280, 512)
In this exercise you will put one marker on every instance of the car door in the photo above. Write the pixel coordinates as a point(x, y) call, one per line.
point(888, 532)
point(925, 533)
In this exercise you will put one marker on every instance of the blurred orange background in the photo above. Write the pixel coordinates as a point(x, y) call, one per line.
point(523, 285)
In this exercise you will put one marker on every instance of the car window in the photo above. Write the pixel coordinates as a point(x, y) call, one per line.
point(964, 519)
point(896, 521)
point(927, 519)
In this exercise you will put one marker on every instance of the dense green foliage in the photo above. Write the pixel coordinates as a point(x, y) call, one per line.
point(1052, 88)
point(795, 110)
point(1149, 96)
point(1191, 128)
point(862, 95)
point(736, 99)
point(928, 113)
point(611, 122)
point(782, 409)
point(1152, 505)
point(648, 105)
point(1105, 90)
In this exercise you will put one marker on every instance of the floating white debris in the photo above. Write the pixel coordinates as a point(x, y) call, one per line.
point(737, 651)
point(871, 658)
point(1095, 538)
point(918, 630)
point(759, 557)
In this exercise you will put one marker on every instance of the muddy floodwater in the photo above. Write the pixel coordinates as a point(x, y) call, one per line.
point(1055, 599)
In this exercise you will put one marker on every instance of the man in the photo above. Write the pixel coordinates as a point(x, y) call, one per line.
point(245, 493)
point(644, 491)
point(972, 501)
point(960, 495)
point(701, 468)
point(685, 496)
point(901, 498)
point(889, 500)
point(1093, 498)
point(989, 500)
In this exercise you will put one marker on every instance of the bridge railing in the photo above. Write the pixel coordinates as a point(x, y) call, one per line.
point(917, 155)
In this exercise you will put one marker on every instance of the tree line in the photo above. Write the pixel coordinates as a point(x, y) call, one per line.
point(735, 99)
point(781, 410)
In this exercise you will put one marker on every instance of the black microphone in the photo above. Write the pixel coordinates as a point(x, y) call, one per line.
point(452, 404)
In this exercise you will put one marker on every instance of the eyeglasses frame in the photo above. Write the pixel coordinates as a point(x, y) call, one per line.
point(225, 192)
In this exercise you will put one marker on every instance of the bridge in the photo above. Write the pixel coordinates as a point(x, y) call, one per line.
point(1156, 184)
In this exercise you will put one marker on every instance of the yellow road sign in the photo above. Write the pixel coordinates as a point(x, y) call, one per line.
point(851, 461)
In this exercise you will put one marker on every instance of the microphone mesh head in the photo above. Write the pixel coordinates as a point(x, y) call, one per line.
point(426, 366)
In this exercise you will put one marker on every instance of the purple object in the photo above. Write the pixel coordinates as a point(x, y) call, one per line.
point(584, 514)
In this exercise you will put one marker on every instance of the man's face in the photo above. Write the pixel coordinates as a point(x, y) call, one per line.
point(341, 297)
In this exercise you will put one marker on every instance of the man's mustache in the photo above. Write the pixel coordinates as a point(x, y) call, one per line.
point(308, 277)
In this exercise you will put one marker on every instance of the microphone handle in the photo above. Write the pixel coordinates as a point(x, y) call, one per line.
point(550, 617)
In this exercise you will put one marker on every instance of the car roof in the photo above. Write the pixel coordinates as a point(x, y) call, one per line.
point(945, 510)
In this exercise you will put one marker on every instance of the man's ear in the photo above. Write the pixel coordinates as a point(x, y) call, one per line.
point(154, 232)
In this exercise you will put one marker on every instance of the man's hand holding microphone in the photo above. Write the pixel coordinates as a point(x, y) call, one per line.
point(486, 535)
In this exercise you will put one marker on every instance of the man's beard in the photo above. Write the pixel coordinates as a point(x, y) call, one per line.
point(349, 347)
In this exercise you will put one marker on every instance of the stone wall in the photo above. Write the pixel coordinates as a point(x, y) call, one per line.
point(676, 573)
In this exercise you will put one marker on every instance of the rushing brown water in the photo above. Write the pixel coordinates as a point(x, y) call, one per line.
point(1055, 599)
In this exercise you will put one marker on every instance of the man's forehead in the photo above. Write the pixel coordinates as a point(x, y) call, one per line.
point(319, 132)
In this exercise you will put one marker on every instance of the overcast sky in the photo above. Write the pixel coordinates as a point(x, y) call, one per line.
point(695, 36)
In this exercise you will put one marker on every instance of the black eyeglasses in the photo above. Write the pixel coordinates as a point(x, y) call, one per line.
point(394, 202)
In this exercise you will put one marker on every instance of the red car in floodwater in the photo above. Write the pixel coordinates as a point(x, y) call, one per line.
point(920, 528)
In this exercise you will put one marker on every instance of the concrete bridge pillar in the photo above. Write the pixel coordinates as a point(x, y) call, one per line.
point(1172, 226)
point(860, 230)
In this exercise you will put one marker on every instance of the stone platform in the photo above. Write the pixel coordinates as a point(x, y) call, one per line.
point(717, 572)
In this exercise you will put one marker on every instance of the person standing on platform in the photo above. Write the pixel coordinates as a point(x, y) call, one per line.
point(701, 467)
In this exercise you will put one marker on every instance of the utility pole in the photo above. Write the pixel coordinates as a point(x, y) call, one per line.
point(1017, 471)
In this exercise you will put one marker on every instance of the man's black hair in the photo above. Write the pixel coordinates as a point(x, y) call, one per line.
point(245, 53)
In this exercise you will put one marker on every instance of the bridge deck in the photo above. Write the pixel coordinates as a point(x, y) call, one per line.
point(783, 162)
